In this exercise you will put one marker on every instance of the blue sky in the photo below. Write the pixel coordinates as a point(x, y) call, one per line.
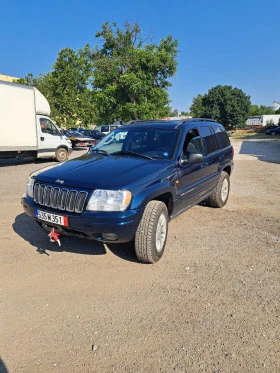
point(229, 42)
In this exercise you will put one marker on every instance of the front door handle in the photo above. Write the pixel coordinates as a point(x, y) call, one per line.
point(42, 138)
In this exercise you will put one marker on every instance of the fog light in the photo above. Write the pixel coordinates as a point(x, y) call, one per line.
point(110, 236)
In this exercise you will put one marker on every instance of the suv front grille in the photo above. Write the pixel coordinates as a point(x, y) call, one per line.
point(59, 198)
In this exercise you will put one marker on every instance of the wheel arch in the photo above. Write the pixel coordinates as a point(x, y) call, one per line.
point(63, 147)
point(227, 169)
point(167, 199)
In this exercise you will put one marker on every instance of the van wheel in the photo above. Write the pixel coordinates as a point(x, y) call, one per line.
point(220, 195)
point(61, 155)
point(151, 234)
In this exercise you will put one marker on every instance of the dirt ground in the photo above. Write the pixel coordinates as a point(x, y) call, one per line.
point(211, 304)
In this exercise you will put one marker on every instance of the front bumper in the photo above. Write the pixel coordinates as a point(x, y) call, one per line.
point(89, 224)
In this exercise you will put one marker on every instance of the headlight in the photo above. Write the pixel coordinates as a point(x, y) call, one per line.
point(29, 187)
point(109, 200)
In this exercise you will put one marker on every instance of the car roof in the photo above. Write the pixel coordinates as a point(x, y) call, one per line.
point(170, 124)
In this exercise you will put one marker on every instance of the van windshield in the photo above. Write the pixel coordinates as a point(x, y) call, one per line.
point(157, 143)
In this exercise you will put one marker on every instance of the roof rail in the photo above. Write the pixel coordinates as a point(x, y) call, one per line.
point(135, 121)
point(197, 120)
point(140, 121)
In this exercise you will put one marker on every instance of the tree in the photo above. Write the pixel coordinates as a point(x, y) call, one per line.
point(256, 110)
point(229, 106)
point(130, 75)
point(28, 80)
point(197, 107)
point(174, 113)
point(66, 87)
point(185, 113)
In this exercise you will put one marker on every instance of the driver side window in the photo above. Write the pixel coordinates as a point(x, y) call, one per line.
point(48, 127)
point(192, 142)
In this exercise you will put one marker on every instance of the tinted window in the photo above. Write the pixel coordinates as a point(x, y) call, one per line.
point(222, 136)
point(192, 142)
point(209, 139)
point(104, 128)
point(155, 143)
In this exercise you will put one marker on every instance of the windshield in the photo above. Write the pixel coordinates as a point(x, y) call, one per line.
point(157, 143)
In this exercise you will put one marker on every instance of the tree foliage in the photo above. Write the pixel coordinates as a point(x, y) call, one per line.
point(229, 106)
point(185, 113)
point(174, 113)
point(130, 75)
point(256, 110)
point(66, 88)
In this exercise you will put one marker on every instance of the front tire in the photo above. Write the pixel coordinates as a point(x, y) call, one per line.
point(61, 155)
point(220, 195)
point(151, 234)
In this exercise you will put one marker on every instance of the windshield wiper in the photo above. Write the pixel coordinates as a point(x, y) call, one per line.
point(122, 152)
point(100, 151)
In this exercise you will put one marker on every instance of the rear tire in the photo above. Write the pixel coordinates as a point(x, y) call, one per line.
point(220, 195)
point(61, 155)
point(273, 133)
point(151, 234)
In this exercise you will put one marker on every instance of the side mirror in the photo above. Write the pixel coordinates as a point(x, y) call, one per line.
point(62, 132)
point(192, 158)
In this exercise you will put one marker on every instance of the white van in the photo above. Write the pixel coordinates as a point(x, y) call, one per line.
point(26, 129)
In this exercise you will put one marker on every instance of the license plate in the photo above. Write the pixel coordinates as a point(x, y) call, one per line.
point(52, 218)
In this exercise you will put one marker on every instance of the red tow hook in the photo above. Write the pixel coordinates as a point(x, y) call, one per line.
point(54, 236)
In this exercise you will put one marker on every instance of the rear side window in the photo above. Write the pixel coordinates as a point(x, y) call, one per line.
point(209, 139)
point(222, 136)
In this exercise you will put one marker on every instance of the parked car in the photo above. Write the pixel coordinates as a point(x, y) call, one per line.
point(79, 140)
point(273, 131)
point(93, 133)
point(128, 187)
point(76, 128)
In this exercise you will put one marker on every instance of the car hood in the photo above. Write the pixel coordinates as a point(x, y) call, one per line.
point(94, 171)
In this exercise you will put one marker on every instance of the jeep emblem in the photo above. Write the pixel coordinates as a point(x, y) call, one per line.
point(59, 181)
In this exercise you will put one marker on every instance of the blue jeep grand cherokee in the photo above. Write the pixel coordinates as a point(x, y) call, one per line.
point(133, 182)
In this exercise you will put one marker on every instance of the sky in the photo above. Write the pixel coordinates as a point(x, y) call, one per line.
point(226, 42)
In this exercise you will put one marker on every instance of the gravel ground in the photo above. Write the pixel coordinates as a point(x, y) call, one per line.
point(211, 304)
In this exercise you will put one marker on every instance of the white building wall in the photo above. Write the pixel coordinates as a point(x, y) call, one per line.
point(262, 120)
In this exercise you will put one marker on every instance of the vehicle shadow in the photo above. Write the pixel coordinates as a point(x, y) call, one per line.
point(17, 162)
point(30, 231)
point(124, 251)
point(3, 368)
point(265, 151)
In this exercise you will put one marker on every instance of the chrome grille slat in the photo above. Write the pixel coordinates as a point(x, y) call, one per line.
point(41, 194)
point(48, 196)
point(36, 186)
point(60, 198)
point(80, 201)
point(54, 197)
point(71, 200)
